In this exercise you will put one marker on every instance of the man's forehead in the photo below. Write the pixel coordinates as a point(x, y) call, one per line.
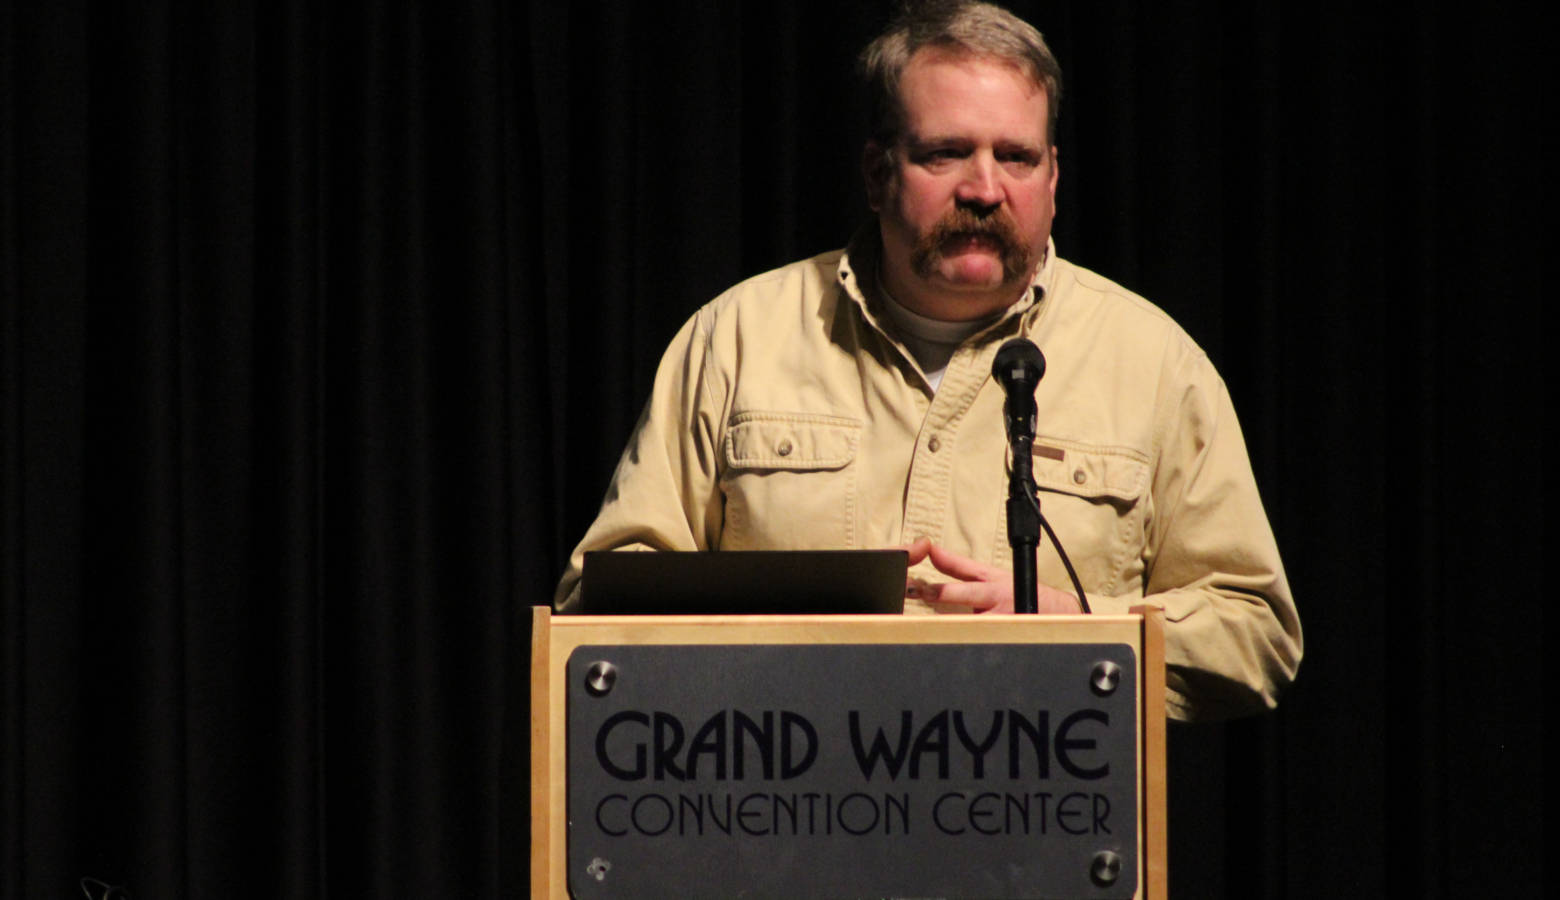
point(963, 96)
point(959, 57)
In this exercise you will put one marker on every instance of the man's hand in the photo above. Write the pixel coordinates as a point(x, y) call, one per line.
point(980, 588)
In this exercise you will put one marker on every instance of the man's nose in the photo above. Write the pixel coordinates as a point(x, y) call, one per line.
point(980, 187)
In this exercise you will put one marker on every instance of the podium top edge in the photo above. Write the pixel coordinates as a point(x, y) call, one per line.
point(563, 621)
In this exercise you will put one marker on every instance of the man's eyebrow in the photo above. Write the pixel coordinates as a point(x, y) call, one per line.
point(1020, 147)
point(958, 140)
point(923, 140)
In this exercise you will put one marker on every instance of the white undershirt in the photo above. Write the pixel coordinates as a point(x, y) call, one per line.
point(931, 341)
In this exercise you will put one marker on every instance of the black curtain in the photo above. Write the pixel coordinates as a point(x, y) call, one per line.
point(323, 326)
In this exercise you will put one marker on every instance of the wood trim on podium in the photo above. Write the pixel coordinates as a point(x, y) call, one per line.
point(541, 752)
point(1156, 843)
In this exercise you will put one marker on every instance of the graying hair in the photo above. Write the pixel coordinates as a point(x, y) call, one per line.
point(963, 27)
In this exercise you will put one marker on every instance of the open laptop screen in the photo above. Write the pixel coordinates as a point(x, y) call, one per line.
point(746, 582)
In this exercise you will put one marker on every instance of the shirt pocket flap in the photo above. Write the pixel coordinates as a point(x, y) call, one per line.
point(791, 441)
point(1116, 474)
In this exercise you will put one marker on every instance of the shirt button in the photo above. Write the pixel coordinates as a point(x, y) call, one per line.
point(785, 447)
point(934, 444)
point(1079, 477)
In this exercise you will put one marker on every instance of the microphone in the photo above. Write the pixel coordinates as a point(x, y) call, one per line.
point(1019, 366)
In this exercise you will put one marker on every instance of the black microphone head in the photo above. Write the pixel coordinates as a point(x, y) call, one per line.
point(1018, 362)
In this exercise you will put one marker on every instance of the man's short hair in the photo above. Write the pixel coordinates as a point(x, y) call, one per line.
point(962, 27)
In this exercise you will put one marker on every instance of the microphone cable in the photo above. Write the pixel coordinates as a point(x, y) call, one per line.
point(1083, 602)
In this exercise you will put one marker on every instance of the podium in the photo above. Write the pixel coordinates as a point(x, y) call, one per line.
point(848, 756)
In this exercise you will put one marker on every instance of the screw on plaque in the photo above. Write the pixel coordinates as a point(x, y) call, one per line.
point(1105, 677)
point(600, 678)
point(1105, 868)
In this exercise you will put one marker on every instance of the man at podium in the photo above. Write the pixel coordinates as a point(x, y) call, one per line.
point(846, 401)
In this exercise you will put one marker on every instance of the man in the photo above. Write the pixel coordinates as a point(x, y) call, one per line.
point(846, 400)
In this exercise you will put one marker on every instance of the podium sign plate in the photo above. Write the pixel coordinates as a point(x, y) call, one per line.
point(990, 770)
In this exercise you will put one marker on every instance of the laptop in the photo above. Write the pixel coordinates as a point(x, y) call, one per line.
point(743, 582)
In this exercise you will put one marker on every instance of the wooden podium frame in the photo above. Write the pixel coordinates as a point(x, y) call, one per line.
point(554, 638)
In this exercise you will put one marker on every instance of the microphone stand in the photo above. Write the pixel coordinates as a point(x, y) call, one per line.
point(1023, 525)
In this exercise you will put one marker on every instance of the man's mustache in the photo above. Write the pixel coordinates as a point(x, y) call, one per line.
point(960, 224)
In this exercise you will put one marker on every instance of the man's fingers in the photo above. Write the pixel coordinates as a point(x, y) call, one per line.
point(961, 567)
point(980, 588)
point(977, 596)
point(918, 550)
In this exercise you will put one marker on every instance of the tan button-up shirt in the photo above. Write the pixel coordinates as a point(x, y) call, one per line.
point(787, 415)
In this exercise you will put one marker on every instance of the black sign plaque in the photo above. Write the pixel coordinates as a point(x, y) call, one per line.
point(987, 770)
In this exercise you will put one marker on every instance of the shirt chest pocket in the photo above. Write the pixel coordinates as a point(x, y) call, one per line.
point(789, 482)
point(1096, 499)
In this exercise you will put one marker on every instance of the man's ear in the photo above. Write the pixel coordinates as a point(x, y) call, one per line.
point(876, 170)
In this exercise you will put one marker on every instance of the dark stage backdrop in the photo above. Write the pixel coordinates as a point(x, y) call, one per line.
point(323, 325)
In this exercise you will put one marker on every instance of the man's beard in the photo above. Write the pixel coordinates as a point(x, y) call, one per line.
point(960, 224)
